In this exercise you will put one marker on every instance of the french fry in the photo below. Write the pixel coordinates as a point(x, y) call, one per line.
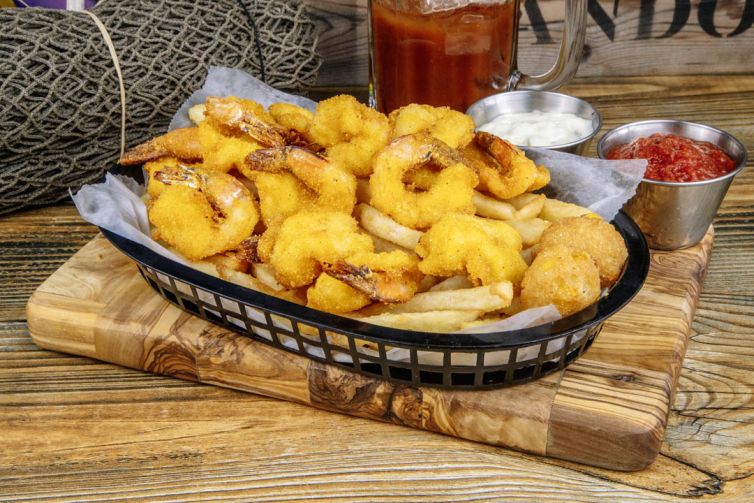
point(555, 210)
point(524, 199)
point(490, 207)
point(432, 321)
point(266, 275)
point(452, 283)
point(532, 208)
point(383, 245)
point(531, 230)
point(236, 277)
point(482, 298)
point(383, 226)
point(481, 322)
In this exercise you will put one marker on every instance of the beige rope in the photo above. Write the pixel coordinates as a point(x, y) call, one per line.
point(114, 55)
point(116, 62)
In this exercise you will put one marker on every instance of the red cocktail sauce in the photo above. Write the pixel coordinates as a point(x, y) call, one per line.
point(674, 158)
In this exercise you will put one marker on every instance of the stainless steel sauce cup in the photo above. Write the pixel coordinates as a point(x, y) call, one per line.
point(516, 102)
point(676, 215)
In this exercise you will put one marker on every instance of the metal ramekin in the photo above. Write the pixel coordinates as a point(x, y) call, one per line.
point(676, 215)
point(490, 107)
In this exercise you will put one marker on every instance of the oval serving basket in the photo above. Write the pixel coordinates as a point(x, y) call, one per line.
point(459, 361)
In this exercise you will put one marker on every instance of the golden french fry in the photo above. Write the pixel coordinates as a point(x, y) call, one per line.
point(555, 210)
point(452, 283)
point(481, 322)
point(532, 208)
point(265, 273)
point(482, 298)
point(531, 230)
point(233, 276)
point(490, 207)
point(383, 245)
point(432, 321)
point(381, 225)
point(519, 202)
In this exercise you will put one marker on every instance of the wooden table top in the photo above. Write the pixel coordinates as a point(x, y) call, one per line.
point(77, 429)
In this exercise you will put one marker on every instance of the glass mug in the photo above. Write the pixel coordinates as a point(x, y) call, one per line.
point(455, 52)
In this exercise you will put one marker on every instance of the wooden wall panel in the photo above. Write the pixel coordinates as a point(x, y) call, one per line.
point(624, 37)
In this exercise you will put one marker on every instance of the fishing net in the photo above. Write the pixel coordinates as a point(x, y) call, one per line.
point(60, 105)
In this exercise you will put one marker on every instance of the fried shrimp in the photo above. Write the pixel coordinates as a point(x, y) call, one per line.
point(334, 296)
point(594, 236)
point(201, 213)
point(487, 251)
point(451, 190)
point(223, 153)
point(561, 276)
point(326, 185)
point(243, 118)
point(541, 180)
point(350, 131)
point(453, 128)
point(297, 121)
point(504, 170)
point(280, 196)
point(155, 186)
point(308, 239)
point(183, 144)
point(385, 277)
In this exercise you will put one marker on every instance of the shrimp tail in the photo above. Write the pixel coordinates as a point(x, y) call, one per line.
point(387, 287)
point(228, 116)
point(181, 143)
point(180, 175)
point(275, 160)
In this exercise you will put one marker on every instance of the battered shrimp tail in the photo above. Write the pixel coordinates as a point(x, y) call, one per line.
point(182, 144)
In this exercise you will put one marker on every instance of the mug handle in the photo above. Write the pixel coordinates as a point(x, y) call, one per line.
point(571, 50)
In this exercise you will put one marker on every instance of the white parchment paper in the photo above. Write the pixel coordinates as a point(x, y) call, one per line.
point(602, 186)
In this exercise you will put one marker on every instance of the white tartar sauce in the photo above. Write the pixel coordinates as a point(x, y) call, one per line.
point(539, 129)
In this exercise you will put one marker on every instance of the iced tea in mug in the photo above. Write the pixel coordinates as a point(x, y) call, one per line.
point(454, 52)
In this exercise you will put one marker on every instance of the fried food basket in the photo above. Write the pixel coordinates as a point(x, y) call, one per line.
point(458, 361)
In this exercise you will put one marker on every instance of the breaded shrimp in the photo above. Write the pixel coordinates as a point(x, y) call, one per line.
point(297, 121)
point(591, 235)
point(351, 132)
point(183, 144)
point(453, 128)
point(308, 239)
point(329, 187)
point(451, 190)
point(504, 170)
point(201, 213)
point(384, 277)
point(334, 296)
point(243, 118)
point(487, 251)
point(562, 276)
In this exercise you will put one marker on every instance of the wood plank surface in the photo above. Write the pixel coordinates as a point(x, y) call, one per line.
point(75, 429)
point(608, 409)
point(624, 37)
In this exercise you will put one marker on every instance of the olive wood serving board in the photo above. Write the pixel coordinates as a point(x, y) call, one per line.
point(608, 409)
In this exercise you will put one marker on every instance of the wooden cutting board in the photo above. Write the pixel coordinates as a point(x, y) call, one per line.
point(608, 409)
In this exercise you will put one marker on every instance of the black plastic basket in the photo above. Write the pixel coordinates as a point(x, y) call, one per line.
point(459, 361)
